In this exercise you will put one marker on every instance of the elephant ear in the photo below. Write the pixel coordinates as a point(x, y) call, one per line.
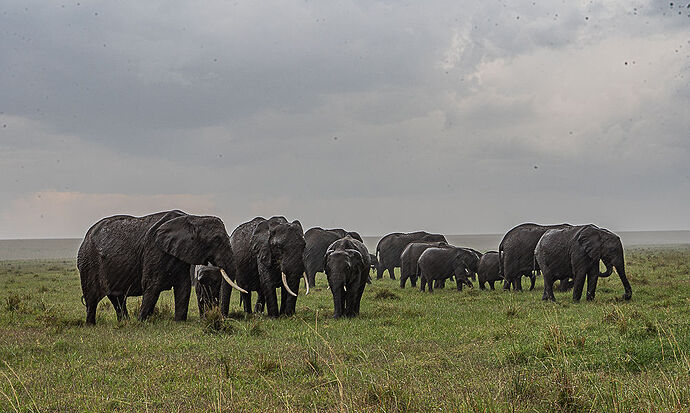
point(590, 240)
point(260, 243)
point(179, 237)
point(325, 260)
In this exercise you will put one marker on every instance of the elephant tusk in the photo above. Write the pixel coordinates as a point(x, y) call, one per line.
point(231, 282)
point(344, 288)
point(286, 286)
point(306, 282)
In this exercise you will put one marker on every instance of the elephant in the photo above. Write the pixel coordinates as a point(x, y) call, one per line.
point(516, 254)
point(317, 242)
point(487, 271)
point(576, 251)
point(374, 263)
point(441, 263)
point(125, 256)
point(390, 247)
point(268, 255)
point(409, 258)
point(347, 265)
point(206, 280)
point(473, 258)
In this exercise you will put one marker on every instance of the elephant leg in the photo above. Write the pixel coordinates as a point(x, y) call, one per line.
point(548, 289)
point(391, 272)
point(358, 298)
point(491, 284)
point(403, 280)
point(422, 284)
point(260, 302)
point(287, 301)
point(92, 301)
point(182, 290)
point(592, 285)
point(312, 279)
point(431, 286)
point(247, 302)
point(518, 283)
point(506, 284)
point(481, 284)
point(532, 279)
point(379, 271)
point(579, 285)
point(225, 291)
point(119, 305)
point(148, 303)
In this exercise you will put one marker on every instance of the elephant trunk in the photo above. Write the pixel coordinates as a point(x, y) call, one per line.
point(620, 269)
point(609, 269)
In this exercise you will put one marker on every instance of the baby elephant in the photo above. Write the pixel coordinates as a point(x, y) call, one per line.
point(488, 270)
point(347, 269)
point(206, 281)
point(442, 263)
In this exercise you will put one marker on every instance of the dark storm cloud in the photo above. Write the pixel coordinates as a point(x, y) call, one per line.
point(451, 116)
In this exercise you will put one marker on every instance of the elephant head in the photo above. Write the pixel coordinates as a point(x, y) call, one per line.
point(472, 261)
point(461, 267)
point(279, 245)
point(207, 281)
point(197, 240)
point(602, 244)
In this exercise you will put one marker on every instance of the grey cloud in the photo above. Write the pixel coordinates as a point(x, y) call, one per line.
point(385, 114)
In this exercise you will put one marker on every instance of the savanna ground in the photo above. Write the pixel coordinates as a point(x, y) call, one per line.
point(408, 351)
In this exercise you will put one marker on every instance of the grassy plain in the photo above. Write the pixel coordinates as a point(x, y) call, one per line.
point(408, 351)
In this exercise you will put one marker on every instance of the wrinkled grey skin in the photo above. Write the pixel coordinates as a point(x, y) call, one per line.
point(317, 241)
point(488, 270)
point(265, 248)
point(576, 251)
point(441, 263)
point(409, 258)
point(125, 256)
point(206, 280)
point(347, 265)
point(390, 247)
point(516, 254)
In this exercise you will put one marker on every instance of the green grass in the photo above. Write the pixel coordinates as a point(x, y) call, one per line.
point(408, 351)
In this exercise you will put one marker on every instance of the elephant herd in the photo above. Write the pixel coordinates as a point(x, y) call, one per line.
point(123, 256)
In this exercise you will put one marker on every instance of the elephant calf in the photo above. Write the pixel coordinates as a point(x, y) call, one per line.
point(488, 271)
point(206, 281)
point(347, 268)
point(441, 263)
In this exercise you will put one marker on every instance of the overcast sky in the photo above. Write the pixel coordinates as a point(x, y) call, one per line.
point(451, 116)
